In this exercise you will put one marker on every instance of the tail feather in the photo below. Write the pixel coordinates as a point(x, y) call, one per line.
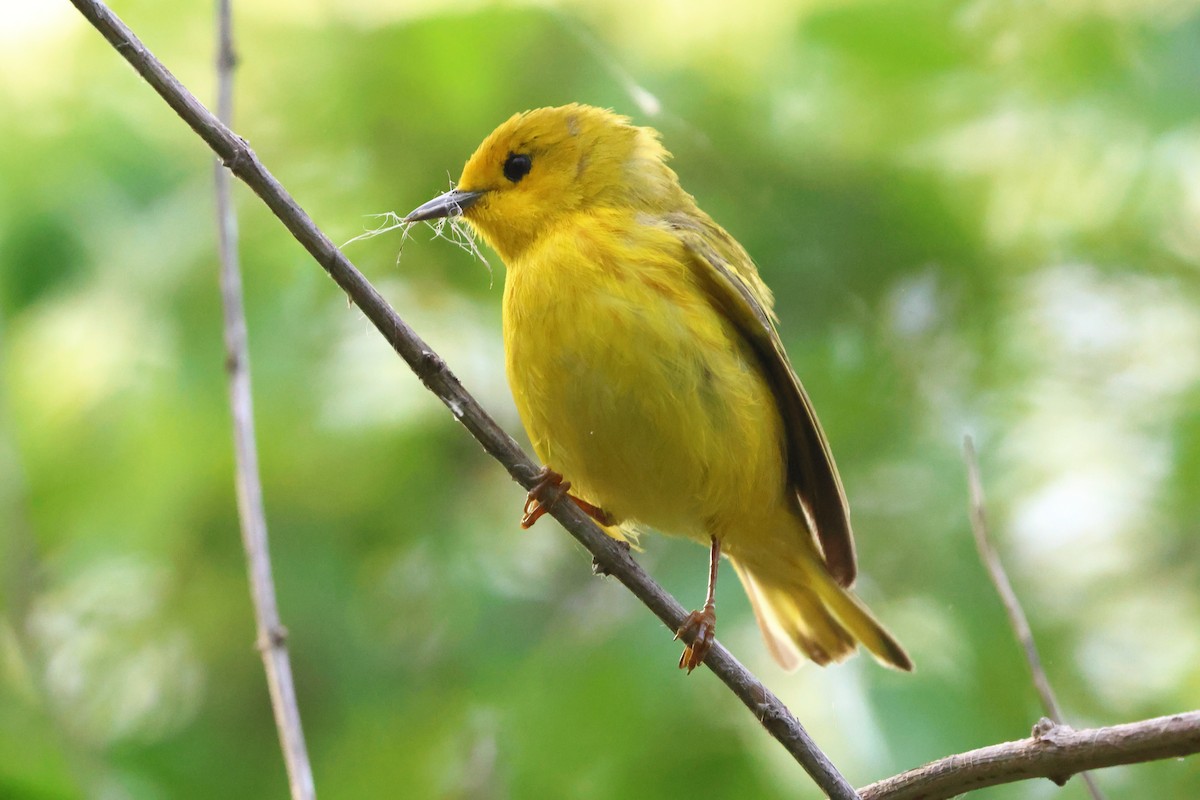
point(813, 616)
point(827, 640)
point(779, 643)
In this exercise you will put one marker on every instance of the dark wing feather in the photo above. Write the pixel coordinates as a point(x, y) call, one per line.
point(736, 289)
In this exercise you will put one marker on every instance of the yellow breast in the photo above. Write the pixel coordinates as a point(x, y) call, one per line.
point(633, 386)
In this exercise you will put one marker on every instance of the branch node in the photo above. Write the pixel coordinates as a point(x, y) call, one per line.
point(272, 638)
point(240, 154)
point(1052, 733)
point(763, 708)
point(600, 569)
point(430, 364)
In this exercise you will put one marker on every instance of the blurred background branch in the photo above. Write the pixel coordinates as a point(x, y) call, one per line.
point(1008, 596)
point(271, 639)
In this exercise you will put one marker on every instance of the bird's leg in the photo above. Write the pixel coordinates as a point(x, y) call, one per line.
point(548, 490)
point(701, 625)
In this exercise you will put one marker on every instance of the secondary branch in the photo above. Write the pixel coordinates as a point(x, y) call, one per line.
point(1053, 751)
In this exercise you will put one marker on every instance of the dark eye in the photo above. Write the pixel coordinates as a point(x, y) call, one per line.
point(517, 166)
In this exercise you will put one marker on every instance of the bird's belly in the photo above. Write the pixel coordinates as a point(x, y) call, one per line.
point(648, 404)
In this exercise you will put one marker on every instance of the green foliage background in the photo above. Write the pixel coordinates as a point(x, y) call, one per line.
point(977, 217)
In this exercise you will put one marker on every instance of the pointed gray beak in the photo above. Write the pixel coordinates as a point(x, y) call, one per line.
point(451, 204)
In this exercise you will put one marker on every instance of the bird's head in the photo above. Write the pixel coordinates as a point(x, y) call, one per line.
point(545, 164)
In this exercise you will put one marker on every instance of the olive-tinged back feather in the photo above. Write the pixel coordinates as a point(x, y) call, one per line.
point(736, 288)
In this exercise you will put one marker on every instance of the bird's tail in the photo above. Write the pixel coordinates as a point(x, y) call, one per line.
point(808, 613)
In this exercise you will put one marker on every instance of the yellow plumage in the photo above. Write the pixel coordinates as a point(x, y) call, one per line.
point(642, 355)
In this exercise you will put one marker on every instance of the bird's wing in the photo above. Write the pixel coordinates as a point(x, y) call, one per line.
point(735, 287)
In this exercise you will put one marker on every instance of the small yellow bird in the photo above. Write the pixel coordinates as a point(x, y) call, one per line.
point(642, 354)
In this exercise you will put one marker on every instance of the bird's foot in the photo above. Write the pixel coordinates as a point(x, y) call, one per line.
point(700, 627)
point(547, 491)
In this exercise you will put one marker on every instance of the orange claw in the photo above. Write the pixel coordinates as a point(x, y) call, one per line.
point(701, 626)
point(548, 490)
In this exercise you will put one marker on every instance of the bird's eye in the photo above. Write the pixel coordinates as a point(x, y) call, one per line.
point(517, 166)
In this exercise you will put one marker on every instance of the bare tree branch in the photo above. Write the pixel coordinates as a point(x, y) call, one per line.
point(429, 367)
point(1054, 751)
point(1008, 596)
point(272, 638)
point(1057, 751)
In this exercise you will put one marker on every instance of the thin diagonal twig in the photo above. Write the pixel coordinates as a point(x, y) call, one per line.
point(1012, 606)
point(272, 639)
point(433, 372)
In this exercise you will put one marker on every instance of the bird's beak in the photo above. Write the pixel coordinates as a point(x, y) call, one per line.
point(451, 204)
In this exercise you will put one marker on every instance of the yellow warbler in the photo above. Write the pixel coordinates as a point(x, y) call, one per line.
point(642, 354)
